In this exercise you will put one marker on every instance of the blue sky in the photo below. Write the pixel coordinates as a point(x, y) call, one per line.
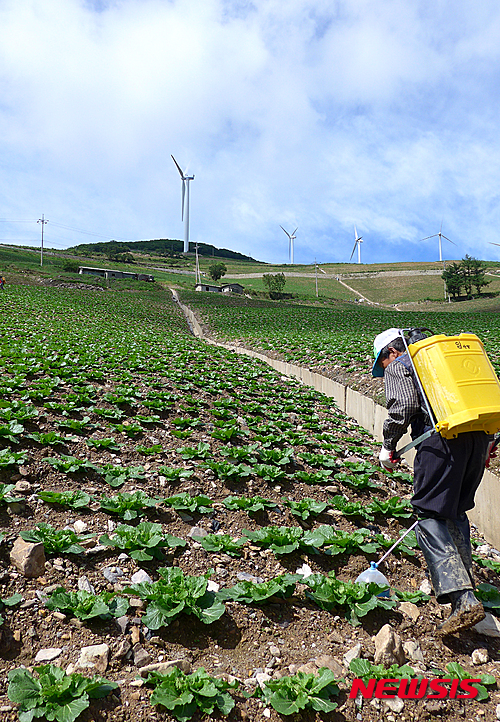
point(309, 113)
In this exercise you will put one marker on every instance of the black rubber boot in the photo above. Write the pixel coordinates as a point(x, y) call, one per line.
point(466, 611)
point(460, 533)
point(446, 563)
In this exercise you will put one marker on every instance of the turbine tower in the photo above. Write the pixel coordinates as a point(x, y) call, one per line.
point(185, 192)
point(441, 236)
point(358, 240)
point(291, 237)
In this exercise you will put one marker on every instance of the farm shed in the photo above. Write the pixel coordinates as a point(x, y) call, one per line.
point(207, 287)
point(232, 288)
point(109, 273)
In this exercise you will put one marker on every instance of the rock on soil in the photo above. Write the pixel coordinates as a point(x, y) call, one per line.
point(140, 576)
point(94, 657)
point(353, 653)
point(163, 667)
point(480, 656)
point(47, 655)
point(326, 660)
point(28, 558)
point(85, 585)
point(490, 626)
point(388, 647)
point(413, 652)
point(141, 657)
point(411, 610)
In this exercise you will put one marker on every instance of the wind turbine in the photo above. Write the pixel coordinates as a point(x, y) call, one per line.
point(441, 236)
point(357, 242)
point(185, 192)
point(292, 237)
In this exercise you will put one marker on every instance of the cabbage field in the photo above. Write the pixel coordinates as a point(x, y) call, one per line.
point(196, 507)
point(335, 340)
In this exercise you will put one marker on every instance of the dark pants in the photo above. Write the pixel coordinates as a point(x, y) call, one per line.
point(447, 473)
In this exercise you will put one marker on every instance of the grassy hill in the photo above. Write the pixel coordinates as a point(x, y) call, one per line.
point(415, 285)
point(164, 247)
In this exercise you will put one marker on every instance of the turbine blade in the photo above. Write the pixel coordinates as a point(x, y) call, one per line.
point(285, 231)
point(355, 233)
point(183, 194)
point(493, 244)
point(427, 237)
point(178, 167)
point(295, 231)
point(352, 254)
point(448, 239)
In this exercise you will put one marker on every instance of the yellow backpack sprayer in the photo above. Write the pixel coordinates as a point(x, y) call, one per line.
point(457, 382)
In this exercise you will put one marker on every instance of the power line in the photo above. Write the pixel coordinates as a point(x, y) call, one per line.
point(79, 230)
point(59, 225)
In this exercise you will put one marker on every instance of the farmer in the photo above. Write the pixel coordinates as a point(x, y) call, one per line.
point(447, 473)
point(2, 282)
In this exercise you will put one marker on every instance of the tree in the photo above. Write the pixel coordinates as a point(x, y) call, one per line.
point(467, 267)
point(216, 270)
point(453, 278)
point(478, 275)
point(469, 273)
point(124, 257)
point(275, 283)
point(70, 266)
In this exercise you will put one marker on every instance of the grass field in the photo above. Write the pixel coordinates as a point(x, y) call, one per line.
point(404, 289)
point(327, 287)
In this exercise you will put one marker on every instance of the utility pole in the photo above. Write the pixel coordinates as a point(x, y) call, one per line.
point(197, 267)
point(316, 267)
point(445, 289)
point(43, 222)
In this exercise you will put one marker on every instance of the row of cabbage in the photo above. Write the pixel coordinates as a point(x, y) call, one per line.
point(340, 336)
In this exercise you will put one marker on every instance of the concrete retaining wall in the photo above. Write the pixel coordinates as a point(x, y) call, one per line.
point(371, 417)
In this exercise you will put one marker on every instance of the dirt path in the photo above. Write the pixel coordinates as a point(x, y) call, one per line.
point(364, 298)
point(337, 276)
point(350, 288)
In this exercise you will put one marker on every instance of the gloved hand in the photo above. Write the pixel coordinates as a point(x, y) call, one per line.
point(387, 460)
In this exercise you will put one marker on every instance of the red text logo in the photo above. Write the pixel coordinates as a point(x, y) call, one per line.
point(415, 688)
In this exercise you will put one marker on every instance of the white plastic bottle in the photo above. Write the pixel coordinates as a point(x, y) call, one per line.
point(373, 575)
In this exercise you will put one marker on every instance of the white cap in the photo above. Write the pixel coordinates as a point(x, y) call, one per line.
point(381, 341)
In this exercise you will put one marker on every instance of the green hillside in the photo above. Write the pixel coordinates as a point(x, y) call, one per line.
point(409, 285)
point(160, 247)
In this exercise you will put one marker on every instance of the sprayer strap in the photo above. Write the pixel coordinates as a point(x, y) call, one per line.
point(399, 452)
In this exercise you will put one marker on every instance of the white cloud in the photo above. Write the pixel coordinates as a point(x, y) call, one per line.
point(315, 114)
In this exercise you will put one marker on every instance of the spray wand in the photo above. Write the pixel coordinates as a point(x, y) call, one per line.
point(396, 544)
point(373, 575)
